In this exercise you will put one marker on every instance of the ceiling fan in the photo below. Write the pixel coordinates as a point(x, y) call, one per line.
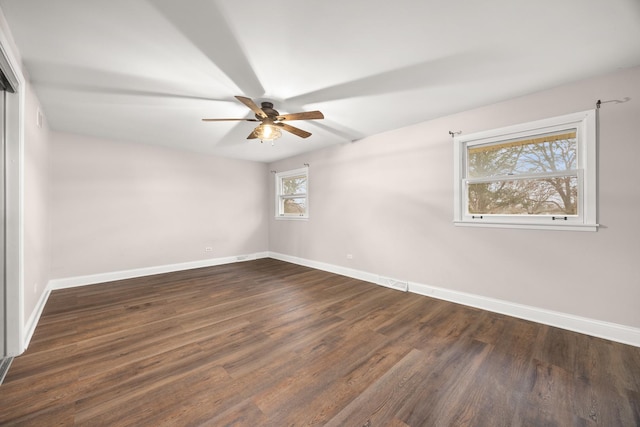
point(272, 121)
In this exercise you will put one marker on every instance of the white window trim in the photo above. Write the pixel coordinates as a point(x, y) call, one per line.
point(279, 198)
point(585, 124)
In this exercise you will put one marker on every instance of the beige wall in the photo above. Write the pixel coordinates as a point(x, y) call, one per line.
point(388, 201)
point(37, 224)
point(120, 206)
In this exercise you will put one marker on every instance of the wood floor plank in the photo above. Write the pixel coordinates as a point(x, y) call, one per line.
point(38, 395)
point(446, 387)
point(245, 413)
point(633, 397)
point(358, 376)
point(381, 401)
point(268, 343)
point(502, 380)
point(285, 400)
point(551, 399)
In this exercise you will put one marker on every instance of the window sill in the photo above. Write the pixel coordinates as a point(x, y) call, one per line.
point(528, 226)
point(292, 218)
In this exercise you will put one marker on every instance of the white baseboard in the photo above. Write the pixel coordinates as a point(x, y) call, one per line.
point(70, 282)
point(331, 268)
point(35, 317)
point(597, 328)
point(611, 331)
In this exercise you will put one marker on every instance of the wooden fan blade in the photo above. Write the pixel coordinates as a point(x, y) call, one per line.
point(294, 130)
point(308, 115)
point(252, 105)
point(252, 135)
point(229, 120)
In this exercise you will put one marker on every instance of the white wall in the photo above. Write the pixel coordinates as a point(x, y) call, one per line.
point(118, 206)
point(388, 201)
point(29, 223)
point(37, 224)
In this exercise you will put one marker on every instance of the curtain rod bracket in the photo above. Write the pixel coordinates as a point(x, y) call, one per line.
point(453, 134)
point(615, 101)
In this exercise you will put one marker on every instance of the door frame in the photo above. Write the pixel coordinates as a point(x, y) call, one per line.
point(14, 188)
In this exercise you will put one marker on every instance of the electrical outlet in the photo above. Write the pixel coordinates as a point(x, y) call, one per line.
point(208, 249)
point(349, 256)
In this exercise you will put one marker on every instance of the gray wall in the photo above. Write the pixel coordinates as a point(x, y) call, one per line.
point(120, 206)
point(388, 201)
point(37, 207)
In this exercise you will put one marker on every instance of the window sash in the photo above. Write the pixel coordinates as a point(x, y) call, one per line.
point(551, 137)
point(544, 206)
point(283, 204)
point(539, 153)
point(295, 190)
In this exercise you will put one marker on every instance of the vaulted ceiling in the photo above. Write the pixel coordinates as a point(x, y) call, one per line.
point(148, 71)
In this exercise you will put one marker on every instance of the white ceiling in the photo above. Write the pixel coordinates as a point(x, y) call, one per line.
point(148, 70)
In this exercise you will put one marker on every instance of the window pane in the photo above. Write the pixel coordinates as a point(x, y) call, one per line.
point(552, 152)
point(294, 185)
point(544, 196)
point(295, 206)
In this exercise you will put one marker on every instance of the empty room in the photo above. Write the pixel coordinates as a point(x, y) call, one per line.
point(341, 213)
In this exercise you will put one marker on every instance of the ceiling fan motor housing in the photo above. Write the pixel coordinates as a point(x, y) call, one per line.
point(267, 108)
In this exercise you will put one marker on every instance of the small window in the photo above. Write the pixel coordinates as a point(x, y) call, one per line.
point(292, 199)
point(534, 175)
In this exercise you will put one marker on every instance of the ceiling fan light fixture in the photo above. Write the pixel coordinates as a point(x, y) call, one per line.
point(268, 132)
point(272, 123)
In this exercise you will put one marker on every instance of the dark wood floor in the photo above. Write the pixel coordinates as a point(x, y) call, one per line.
point(266, 343)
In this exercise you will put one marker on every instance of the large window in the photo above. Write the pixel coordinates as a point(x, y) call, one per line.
point(533, 175)
point(292, 199)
